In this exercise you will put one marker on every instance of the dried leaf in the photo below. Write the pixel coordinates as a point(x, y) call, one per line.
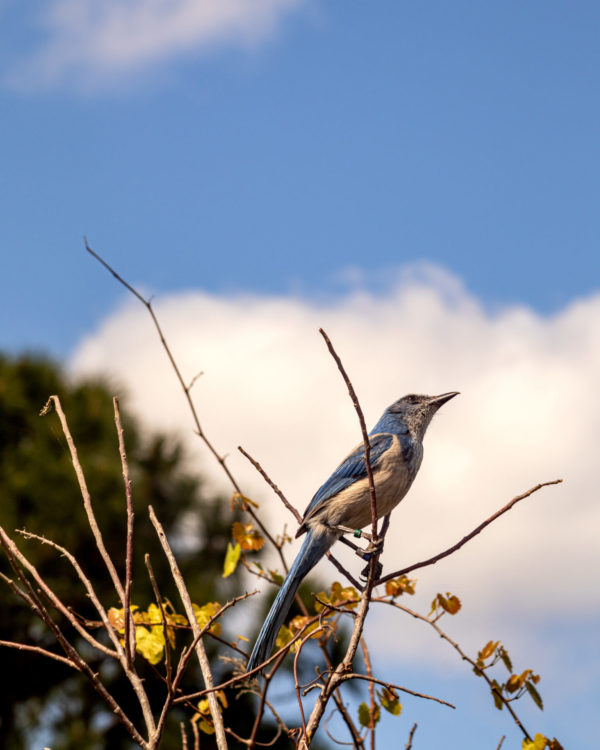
point(513, 683)
point(401, 585)
point(389, 700)
point(242, 501)
point(488, 650)
point(247, 536)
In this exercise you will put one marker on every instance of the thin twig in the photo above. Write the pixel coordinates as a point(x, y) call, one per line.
point(499, 745)
point(128, 617)
point(337, 564)
point(392, 686)
point(468, 537)
point(163, 617)
point(271, 484)
point(38, 607)
point(187, 393)
point(58, 604)
point(410, 736)
point(87, 500)
point(213, 704)
point(463, 656)
point(41, 651)
point(363, 428)
point(371, 691)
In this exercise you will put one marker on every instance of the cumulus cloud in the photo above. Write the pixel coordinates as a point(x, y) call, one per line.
point(528, 412)
point(93, 40)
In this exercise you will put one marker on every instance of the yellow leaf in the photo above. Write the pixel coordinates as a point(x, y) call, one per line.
point(203, 615)
point(153, 614)
point(345, 596)
point(247, 536)
point(150, 643)
point(283, 637)
point(297, 624)
point(513, 683)
point(232, 557)
point(539, 742)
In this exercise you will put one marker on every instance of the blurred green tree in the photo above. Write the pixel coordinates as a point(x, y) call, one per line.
point(39, 492)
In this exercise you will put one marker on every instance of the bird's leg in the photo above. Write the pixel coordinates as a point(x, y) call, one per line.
point(366, 554)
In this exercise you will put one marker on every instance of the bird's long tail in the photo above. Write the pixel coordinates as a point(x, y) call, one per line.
point(312, 550)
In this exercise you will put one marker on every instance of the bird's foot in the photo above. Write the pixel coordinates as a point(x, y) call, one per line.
point(364, 573)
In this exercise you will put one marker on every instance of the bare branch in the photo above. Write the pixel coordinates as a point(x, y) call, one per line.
point(189, 610)
point(187, 393)
point(41, 651)
point(410, 736)
point(129, 627)
point(87, 501)
point(464, 540)
point(463, 656)
point(392, 686)
point(271, 484)
point(53, 598)
point(363, 428)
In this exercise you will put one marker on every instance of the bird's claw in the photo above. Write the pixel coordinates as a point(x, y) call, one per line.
point(364, 574)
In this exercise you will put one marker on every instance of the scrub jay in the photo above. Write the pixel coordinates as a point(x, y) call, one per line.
point(343, 502)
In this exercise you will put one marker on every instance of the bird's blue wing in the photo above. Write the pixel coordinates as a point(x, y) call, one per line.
point(352, 469)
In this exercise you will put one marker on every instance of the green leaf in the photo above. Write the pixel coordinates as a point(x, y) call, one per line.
point(498, 702)
point(364, 715)
point(505, 658)
point(231, 558)
point(150, 643)
point(536, 697)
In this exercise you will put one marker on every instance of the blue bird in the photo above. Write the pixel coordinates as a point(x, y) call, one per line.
point(344, 500)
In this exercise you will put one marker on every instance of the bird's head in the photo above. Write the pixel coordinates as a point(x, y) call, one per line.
point(417, 411)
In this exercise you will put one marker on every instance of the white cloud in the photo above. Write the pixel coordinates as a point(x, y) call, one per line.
point(94, 40)
point(528, 412)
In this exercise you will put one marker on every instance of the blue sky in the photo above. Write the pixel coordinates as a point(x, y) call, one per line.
point(312, 151)
point(462, 133)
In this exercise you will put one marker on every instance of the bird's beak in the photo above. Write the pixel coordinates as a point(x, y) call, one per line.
point(437, 401)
